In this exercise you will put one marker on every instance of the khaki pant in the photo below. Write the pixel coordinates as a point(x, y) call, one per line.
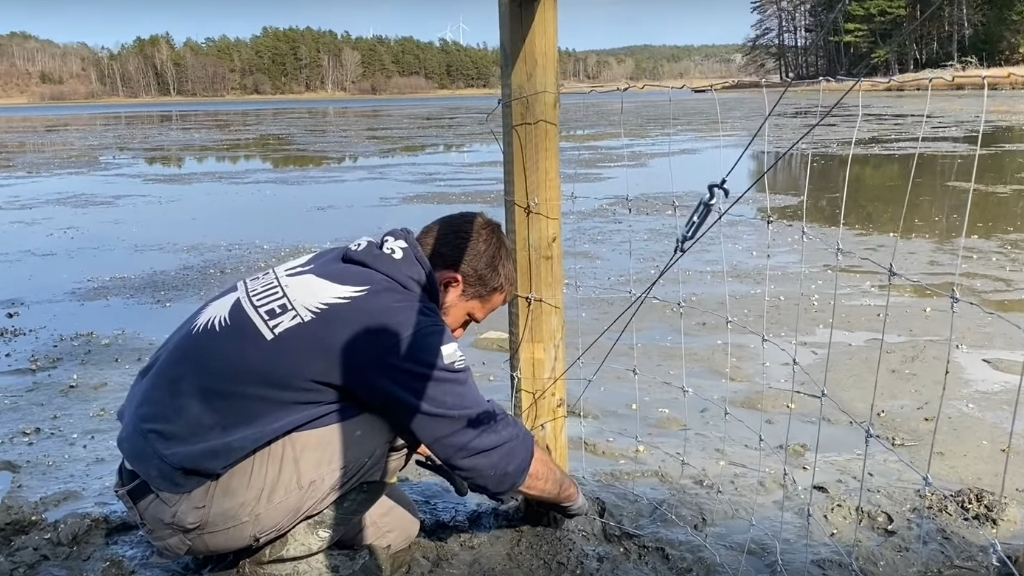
point(267, 494)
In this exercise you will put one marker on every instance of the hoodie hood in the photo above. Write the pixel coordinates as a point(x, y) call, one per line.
point(398, 256)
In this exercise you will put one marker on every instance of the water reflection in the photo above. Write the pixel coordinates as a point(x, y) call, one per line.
point(274, 161)
point(417, 149)
point(942, 290)
point(277, 152)
point(938, 199)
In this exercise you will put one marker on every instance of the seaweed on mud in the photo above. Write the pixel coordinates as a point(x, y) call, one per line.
point(977, 504)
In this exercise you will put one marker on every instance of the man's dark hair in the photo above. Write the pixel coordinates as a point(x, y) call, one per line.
point(473, 245)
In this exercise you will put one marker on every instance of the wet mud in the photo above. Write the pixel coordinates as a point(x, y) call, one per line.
point(695, 424)
point(461, 537)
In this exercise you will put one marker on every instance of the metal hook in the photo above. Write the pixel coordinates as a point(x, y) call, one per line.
point(700, 214)
point(720, 186)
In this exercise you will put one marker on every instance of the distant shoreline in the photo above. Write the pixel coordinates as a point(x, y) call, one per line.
point(26, 100)
point(941, 79)
point(998, 78)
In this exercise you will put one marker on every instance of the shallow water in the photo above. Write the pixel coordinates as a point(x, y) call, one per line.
point(116, 221)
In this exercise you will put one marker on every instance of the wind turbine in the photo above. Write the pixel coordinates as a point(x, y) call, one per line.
point(461, 28)
point(447, 34)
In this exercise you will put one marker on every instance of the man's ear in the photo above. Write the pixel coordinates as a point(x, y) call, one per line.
point(449, 280)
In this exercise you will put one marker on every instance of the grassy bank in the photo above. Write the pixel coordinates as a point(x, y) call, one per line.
point(941, 79)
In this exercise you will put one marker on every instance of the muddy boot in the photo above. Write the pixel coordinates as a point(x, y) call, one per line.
point(322, 564)
point(383, 562)
point(316, 533)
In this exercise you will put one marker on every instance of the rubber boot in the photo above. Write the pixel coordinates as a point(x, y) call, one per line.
point(316, 533)
point(384, 562)
point(323, 564)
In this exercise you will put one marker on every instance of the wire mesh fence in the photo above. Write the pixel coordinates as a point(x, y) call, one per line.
point(824, 377)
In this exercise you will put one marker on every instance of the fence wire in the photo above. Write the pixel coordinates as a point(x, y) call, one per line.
point(806, 520)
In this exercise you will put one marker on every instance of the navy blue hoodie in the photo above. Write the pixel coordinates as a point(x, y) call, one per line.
point(310, 343)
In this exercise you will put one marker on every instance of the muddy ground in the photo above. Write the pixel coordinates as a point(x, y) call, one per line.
point(116, 224)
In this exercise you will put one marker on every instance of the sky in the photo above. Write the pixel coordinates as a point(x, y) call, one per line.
point(582, 24)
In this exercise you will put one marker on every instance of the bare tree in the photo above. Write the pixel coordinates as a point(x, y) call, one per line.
point(329, 64)
point(165, 62)
point(351, 67)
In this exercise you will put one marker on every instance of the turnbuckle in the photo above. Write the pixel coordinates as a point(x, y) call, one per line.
point(700, 214)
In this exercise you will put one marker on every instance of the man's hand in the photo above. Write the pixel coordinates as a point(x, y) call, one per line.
point(547, 482)
point(422, 451)
point(551, 495)
point(578, 507)
point(539, 513)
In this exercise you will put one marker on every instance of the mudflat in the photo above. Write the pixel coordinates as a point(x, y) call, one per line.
point(117, 220)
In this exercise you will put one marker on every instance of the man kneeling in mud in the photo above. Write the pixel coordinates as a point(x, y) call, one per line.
point(276, 418)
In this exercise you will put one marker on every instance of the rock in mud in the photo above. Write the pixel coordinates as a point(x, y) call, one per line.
point(8, 466)
point(12, 332)
point(492, 341)
point(581, 410)
point(669, 422)
point(1005, 366)
point(798, 449)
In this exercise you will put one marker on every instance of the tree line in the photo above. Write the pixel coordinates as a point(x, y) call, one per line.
point(302, 60)
point(274, 61)
point(890, 36)
point(882, 37)
point(651, 63)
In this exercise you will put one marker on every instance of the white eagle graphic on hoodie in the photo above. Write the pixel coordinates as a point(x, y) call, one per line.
point(277, 299)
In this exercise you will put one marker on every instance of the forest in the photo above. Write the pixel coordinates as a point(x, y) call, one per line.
point(307, 60)
point(881, 37)
point(790, 39)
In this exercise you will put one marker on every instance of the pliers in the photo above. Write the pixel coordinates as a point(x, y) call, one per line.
point(432, 464)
